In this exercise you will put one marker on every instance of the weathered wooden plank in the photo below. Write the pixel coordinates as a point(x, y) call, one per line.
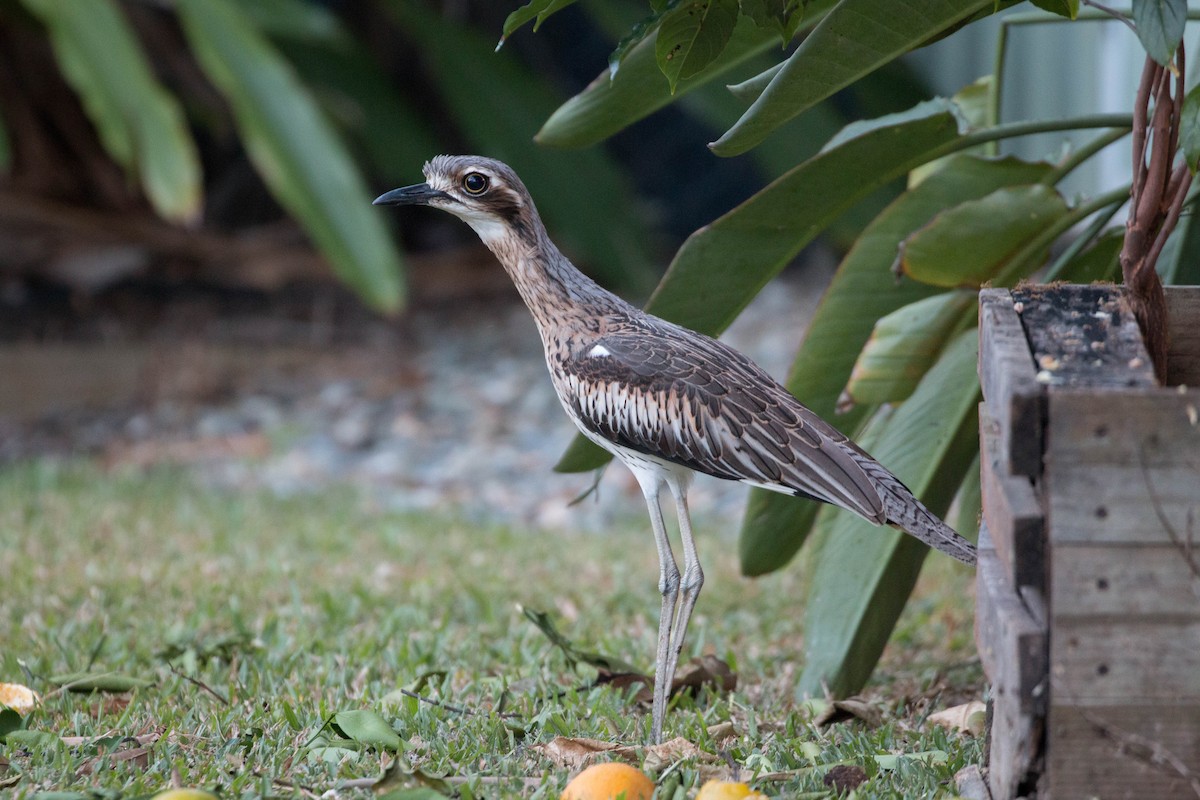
point(1012, 645)
point(1015, 748)
point(1108, 661)
point(971, 784)
point(1012, 510)
point(1183, 337)
point(1123, 751)
point(1007, 375)
point(1123, 467)
point(1083, 336)
point(1147, 581)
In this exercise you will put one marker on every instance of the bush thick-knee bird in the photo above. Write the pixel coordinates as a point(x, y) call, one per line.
point(665, 400)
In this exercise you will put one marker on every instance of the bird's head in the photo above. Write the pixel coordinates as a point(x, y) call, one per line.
point(483, 192)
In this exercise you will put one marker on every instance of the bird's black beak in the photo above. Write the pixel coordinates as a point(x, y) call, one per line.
point(419, 194)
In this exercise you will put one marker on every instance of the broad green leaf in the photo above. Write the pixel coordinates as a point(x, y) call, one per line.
point(635, 35)
point(1160, 25)
point(971, 243)
point(539, 9)
point(781, 16)
point(140, 123)
point(903, 346)
point(1064, 8)
point(692, 36)
point(357, 96)
point(1179, 262)
point(862, 291)
point(582, 197)
point(99, 682)
point(748, 90)
point(299, 21)
point(294, 148)
point(1189, 129)
point(41, 742)
point(722, 266)
point(1098, 262)
point(884, 91)
point(367, 727)
point(861, 574)
point(9, 721)
point(972, 101)
point(582, 455)
point(851, 41)
point(969, 502)
point(612, 103)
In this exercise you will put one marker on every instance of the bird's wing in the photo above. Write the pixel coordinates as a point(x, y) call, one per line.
point(691, 400)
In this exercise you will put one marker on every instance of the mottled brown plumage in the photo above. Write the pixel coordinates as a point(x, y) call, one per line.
point(663, 399)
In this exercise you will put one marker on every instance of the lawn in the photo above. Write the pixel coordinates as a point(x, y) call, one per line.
point(258, 619)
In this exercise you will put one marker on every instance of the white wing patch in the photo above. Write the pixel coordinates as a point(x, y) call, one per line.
point(598, 351)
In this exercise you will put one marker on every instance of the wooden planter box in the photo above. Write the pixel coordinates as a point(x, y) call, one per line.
point(1088, 589)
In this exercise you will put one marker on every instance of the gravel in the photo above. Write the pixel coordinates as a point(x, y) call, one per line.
point(453, 410)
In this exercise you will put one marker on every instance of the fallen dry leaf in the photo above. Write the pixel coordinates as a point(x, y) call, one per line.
point(704, 671)
point(966, 718)
point(661, 756)
point(850, 708)
point(573, 752)
point(144, 740)
point(138, 756)
point(722, 732)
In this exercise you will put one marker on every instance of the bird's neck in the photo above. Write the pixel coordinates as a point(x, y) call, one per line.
point(559, 296)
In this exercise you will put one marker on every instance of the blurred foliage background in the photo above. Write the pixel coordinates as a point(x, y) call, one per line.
point(210, 139)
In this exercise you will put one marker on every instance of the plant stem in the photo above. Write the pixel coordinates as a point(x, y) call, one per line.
point(1072, 161)
point(1012, 130)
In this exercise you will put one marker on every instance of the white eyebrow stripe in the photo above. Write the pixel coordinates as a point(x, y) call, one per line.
point(598, 351)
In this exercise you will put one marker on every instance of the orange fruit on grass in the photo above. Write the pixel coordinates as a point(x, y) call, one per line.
point(609, 781)
point(727, 790)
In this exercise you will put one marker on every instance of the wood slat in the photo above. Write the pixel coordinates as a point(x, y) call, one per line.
point(1147, 581)
point(1116, 752)
point(1008, 378)
point(1012, 645)
point(1123, 467)
point(1183, 338)
point(1083, 336)
point(1125, 662)
point(1012, 510)
point(1015, 747)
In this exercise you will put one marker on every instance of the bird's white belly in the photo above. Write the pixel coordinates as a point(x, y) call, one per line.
point(649, 470)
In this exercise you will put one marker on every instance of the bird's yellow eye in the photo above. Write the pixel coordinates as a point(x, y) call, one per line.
point(475, 183)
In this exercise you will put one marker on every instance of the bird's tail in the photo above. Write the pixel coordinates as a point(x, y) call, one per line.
point(906, 512)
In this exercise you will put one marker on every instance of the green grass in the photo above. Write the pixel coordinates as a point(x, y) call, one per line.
point(258, 618)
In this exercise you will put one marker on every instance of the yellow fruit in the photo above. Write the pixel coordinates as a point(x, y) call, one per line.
point(184, 794)
point(607, 782)
point(20, 699)
point(727, 790)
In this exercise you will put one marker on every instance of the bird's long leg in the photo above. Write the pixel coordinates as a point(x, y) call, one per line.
point(668, 586)
point(693, 575)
